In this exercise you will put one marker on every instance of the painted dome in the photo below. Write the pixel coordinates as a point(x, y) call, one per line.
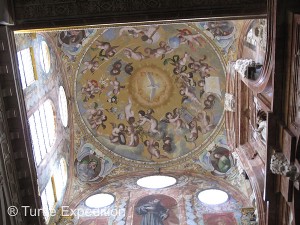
point(151, 93)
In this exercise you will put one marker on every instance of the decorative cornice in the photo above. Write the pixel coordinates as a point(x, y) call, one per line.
point(113, 11)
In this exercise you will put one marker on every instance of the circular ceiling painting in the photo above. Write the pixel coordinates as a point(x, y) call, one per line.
point(151, 93)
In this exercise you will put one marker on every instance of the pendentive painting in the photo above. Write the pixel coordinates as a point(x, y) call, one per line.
point(91, 165)
point(156, 210)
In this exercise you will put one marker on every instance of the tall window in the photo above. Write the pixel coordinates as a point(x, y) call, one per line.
point(48, 199)
point(42, 128)
point(26, 67)
point(45, 56)
point(63, 106)
point(250, 39)
point(60, 179)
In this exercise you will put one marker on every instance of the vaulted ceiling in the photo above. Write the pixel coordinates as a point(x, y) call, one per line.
point(143, 99)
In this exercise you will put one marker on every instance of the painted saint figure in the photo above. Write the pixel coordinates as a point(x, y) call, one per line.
point(90, 166)
point(86, 169)
point(87, 163)
point(153, 213)
point(220, 159)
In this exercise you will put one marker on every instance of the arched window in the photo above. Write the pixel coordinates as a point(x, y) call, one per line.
point(44, 56)
point(48, 199)
point(63, 106)
point(60, 178)
point(250, 39)
point(42, 128)
point(25, 59)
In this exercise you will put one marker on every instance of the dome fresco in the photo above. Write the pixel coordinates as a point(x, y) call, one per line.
point(143, 101)
point(152, 93)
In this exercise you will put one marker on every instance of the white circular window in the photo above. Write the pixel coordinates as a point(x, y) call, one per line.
point(45, 56)
point(63, 106)
point(99, 200)
point(213, 196)
point(157, 181)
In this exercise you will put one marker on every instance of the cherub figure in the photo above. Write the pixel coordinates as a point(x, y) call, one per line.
point(129, 114)
point(167, 146)
point(96, 118)
point(193, 127)
point(134, 32)
point(188, 94)
point(199, 66)
point(148, 118)
point(90, 90)
point(134, 54)
point(148, 34)
point(162, 50)
point(188, 78)
point(116, 68)
point(107, 51)
point(116, 87)
point(174, 119)
point(153, 148)
point(91, 65)
point(133, 134)
point(117, 135)
point(186, 36)
point(205, 122)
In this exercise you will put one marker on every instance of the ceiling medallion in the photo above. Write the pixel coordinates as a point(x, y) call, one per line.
point(213, 196)
point(156, 181)
point(155, 99)
point(99, 200)
point(150, 87)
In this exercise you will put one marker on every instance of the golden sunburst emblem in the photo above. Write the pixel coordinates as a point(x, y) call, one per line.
point(150, 86)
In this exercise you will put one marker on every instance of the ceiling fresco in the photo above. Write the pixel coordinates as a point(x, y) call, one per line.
point(143, 100)
point(153, 93)
point(179, 203)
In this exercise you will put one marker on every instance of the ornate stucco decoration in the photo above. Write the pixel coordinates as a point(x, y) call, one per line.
point(246, 68)
point(249, 216)
point(229, 104)
point(280, 165)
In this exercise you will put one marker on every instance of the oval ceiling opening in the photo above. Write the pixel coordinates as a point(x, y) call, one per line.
point(99, 200)
point(213, 196)
point(156, 181)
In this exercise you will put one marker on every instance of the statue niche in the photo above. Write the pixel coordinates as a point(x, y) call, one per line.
point(260, 131)
point(247, 68)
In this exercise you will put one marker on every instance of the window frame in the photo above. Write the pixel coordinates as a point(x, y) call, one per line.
point(42, 136)
point(26, 65)
point(48, 204)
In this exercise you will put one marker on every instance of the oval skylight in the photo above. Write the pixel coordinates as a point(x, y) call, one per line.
point(99, 200)
point(45, 56)
point(156, 181)
point(213, 196)
point(63, 106)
